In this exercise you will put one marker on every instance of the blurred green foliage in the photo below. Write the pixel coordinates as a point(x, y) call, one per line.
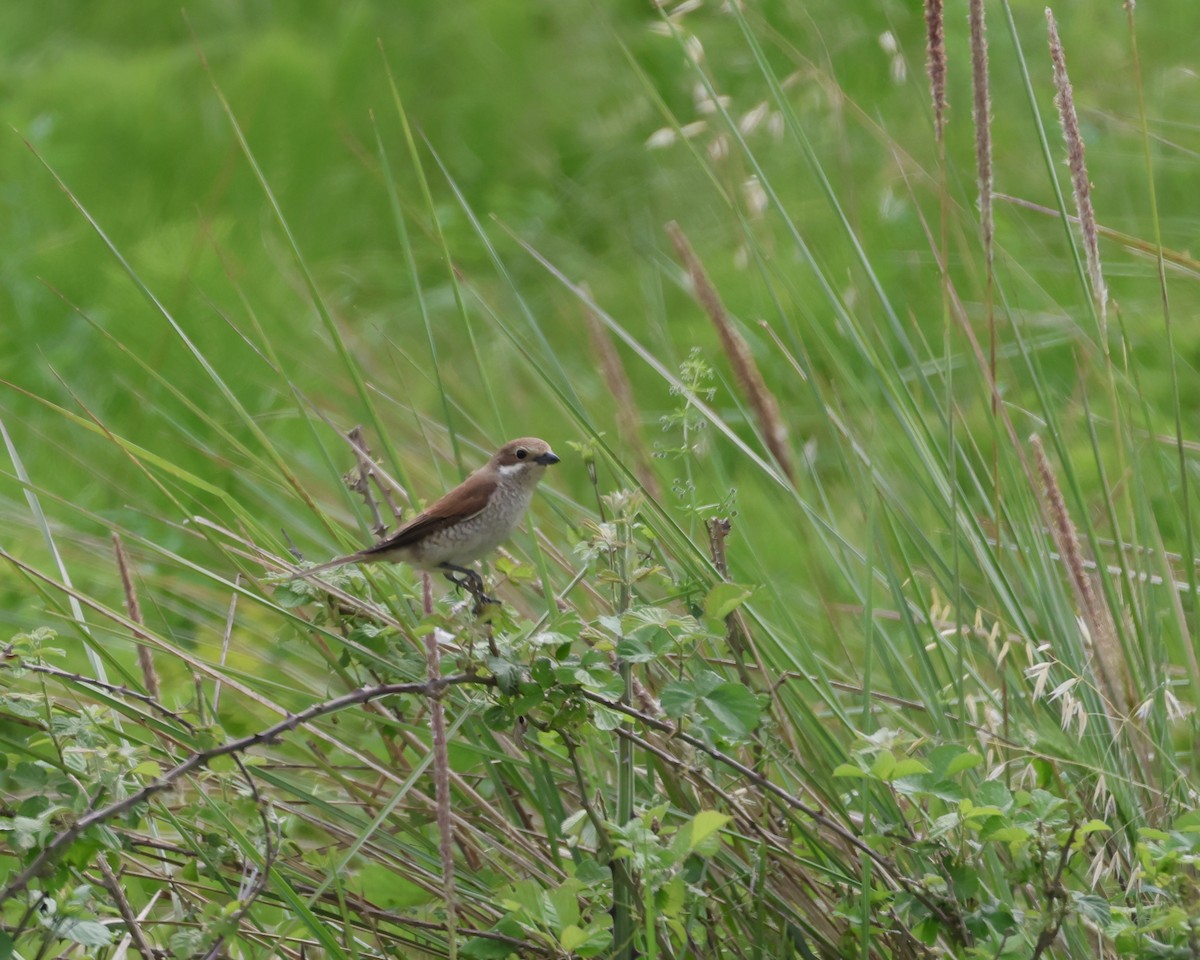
point(542, 119)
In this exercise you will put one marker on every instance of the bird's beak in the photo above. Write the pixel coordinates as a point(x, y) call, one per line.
point(546, 459)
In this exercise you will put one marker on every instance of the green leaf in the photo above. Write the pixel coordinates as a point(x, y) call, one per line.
point(705, 824)
point(186, 942)
point(678, 698)
point(606, 719)
point(964, 761)
point(484, 948)
point(571, 938)
point(1008, 835)
point(908, 767)
point(724, 598)
point(700, 834)
point(883, 766)
point(734, 707)
point(389, 888)
point(1093, 907)
point(849, 770)
point(636, 650)
point(994, 793)
point(86, 933)
point(507, 674)
point(598, 939)
point(591, 872)
point(289, 598)
point(562, 906)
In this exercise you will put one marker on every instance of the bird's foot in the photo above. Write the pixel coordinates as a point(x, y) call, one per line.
point(471, 581)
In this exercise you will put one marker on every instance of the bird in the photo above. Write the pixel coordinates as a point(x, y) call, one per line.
point(467, 523)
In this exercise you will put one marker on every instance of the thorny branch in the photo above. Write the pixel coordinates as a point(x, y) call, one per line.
point(112, 688)
point(203, 758)
point(359, 480)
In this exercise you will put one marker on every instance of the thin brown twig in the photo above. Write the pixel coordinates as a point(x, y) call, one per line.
point(735, 627)
point(262, 875)
point(441, 782)
point(110, 883)
point(359, 479)
point(134, 609)
point(1056, 895)
point(112, 688)
point(225, 638)
point(369, 470)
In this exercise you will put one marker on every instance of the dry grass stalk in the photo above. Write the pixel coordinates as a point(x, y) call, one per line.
point(982, 114)
point(1101, 639)
point(935, 62)
point(1064, 99)
point(441, 780)
point(617, 381)
point(745, 370)
point(134, 611)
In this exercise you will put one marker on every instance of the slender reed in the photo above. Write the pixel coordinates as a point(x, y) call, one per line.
point(1064, 99)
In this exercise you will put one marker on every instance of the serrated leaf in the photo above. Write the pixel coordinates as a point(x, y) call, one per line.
point(964, 761)
point(86, 933)
point(1009, 835)
point(185, 942)
point(507, 674)
point(677, 699)
point(597, 940)
point(735, 708)
point(908, 767)
point(1095, 908)
point(561, 907)
point(571, 938)
point(884, 764)
point(289, 598)
point(606, 719)
point(635, 650)
point(483, 948)
point(724, 598)
point(994, 793)
point(705, 824)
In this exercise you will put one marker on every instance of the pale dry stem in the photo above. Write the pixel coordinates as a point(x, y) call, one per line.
point(745, 370)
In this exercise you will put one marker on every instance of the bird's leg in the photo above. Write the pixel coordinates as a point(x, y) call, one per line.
point(469, 579)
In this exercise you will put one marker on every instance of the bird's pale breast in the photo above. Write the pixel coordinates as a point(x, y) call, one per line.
point(468, 540)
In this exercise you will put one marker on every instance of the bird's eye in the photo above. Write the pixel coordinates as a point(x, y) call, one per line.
point(522, 454)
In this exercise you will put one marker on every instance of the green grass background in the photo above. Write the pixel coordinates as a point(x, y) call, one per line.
point(535, 119)
point(541, 120)
point(540, 115)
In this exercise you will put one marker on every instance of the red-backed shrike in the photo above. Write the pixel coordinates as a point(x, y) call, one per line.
point(467, 523)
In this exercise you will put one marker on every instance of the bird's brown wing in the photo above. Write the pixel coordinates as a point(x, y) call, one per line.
point(459, 504)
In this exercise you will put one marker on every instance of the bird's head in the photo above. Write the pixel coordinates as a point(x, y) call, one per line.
point(526, 458)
